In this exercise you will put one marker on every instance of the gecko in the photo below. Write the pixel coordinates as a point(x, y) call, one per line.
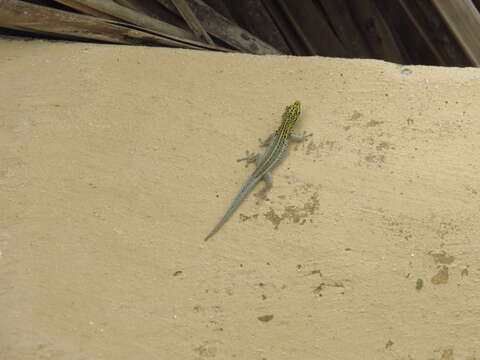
point(277, 145)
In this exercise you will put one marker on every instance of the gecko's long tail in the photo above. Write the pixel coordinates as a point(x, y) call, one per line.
point(246, 188)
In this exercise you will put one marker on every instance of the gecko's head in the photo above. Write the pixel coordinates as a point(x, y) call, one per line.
point(291, 115)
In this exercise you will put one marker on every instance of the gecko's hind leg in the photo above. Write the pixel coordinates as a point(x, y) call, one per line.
point(251, 158)
point(268, 179)
point(256, 157)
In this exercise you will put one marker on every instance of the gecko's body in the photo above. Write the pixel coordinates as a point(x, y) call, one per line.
point(277, 146)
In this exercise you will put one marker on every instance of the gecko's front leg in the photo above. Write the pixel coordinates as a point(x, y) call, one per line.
point(268, 140)
point(298, 137)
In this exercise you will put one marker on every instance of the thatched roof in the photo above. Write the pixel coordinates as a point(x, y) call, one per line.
point(433, 32)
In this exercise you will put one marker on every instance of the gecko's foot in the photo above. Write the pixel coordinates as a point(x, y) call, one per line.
point(250, 158)
point(262, 194)
point(302, 137)
point(305, 135)
point(263, 143)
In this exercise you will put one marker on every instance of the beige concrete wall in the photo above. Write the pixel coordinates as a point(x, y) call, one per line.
point(116, 161)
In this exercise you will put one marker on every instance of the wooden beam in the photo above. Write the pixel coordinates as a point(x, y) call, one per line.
point(192, 21)
point(463, 19)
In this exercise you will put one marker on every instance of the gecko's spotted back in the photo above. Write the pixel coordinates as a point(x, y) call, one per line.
point(289, 119)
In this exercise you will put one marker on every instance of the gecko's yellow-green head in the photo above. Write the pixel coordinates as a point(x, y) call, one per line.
point(290, 117)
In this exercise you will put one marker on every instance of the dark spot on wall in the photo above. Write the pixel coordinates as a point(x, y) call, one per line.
point(447, 354)
point(442, 258)
point(356, 115)
point(373, 158)
point(441, 277)
point(383, 146)
point(265, 318)
point(373, 123)
point(206, 350)
point(419, 284)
